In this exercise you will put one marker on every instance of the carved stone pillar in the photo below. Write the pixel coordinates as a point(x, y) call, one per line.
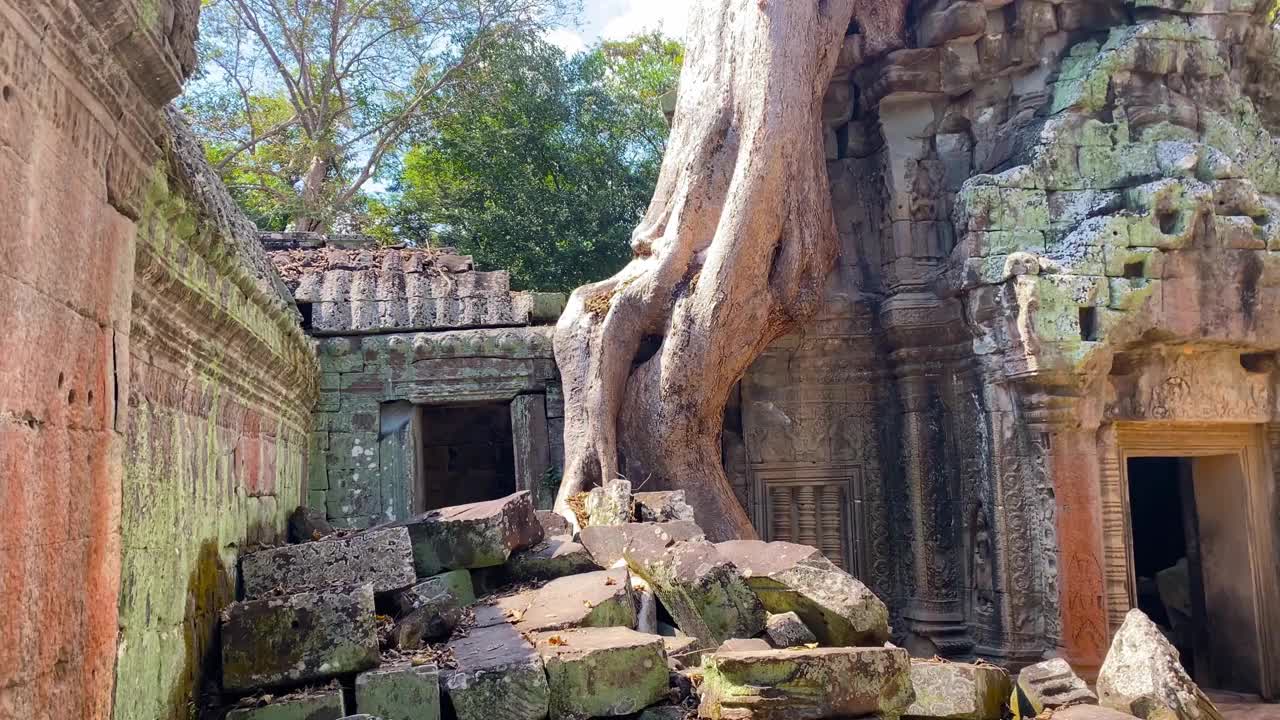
point(1071, 458)
point(927, 358)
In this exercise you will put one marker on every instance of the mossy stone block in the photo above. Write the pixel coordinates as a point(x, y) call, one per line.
point(498, 676)
point(806, 684)
point(400, 692)
point(958, 691)
point(797, 578)
point(294, 639)
point(602, 672)
point(319, 705)
point(478, 535)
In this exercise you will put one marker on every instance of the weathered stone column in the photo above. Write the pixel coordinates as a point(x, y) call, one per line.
point(532, 452)
point(922, 360)
point(1074, 462)
point(1070, 449)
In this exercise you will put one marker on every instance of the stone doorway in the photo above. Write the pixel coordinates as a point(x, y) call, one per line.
point(468, 454)
point(1190, 517)
point(1165, 538)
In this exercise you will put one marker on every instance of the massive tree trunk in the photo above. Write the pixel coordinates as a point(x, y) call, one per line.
point(312, 195)
point(733, 252)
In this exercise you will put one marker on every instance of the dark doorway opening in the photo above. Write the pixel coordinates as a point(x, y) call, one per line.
point(467, 454)
point(1166, 552)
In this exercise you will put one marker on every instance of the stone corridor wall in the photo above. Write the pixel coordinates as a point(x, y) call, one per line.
point(136, 453)
point(221, 383)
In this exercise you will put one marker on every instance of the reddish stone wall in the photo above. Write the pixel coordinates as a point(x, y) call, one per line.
point(84, 303)
point(66, 266)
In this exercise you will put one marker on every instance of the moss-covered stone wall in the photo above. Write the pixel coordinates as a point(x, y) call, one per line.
point(221, 384)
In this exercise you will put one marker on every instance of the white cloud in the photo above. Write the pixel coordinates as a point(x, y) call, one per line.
point(568, 40)
point(617, 19)
point(669, 16)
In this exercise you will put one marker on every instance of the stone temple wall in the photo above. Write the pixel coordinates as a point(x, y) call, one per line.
point(398, 330)
point(154, 386)
point(1056, 217)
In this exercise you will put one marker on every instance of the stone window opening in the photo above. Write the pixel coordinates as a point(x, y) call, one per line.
point(1088, 324)
point(305, 309)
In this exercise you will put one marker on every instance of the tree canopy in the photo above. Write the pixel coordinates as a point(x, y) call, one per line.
point(540, 163)
point(303, 102)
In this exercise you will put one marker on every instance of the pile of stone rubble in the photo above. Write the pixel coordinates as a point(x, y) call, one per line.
point(496, 611)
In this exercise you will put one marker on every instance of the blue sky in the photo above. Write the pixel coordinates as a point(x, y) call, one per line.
point(612, 19)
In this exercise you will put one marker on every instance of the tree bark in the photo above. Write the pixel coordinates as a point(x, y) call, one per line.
point(312, 196)
point(733, 252)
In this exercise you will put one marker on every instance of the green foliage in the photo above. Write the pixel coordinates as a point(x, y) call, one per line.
point(303, 103)
point(542, 164)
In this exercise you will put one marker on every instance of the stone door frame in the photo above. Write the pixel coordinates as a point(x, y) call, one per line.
point(1248, 444)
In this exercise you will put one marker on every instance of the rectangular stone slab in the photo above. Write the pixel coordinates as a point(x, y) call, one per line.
point(498, 676)
point(605, 542)
point(400, 692)
point(703, 591)
point(382, 556)
point(596, 599)
point(295, 639)
point(958, 691)
point(552, 558)
point(806, 684)
point(478, 535)
point(833, 604)
point(316, 705)
point(602, 672)
point(456, 583)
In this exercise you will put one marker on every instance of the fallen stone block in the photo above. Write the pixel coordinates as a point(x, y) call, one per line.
point(433, 619)
point(400, 692)
point(432, 608)
point(1090, 712)
point(602, 672)
point(294, 639)
point(610, 504)
point(663, 712)
point(498, 676)
point(553, 523)
point(662, 506)
point(605, 543)
point(805, 684)
point(703, 591)
point(597, 599)
point(307, 705)
point(788, 630)
point(478, 535)
point(839, 610)
point(455, 582)
point(382, 557)
point(683, 650)
point(552, 558)
point(744, 645)
point(307, 524)
point(508, 608)
point(1142, 676)
point(1052, 684)
point(958, 691)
